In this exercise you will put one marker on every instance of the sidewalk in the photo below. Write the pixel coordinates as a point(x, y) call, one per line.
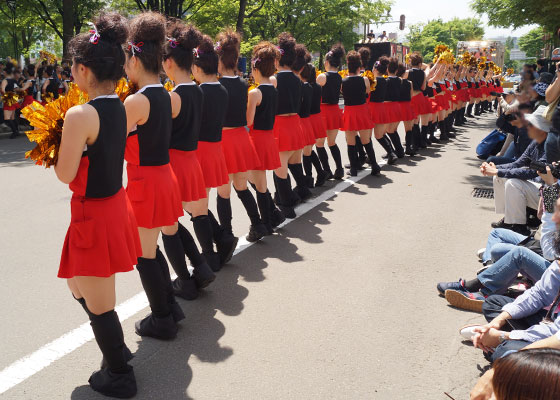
point(341, 304)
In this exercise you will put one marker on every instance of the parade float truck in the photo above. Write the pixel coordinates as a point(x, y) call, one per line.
point(379, 49)
point(493, 50)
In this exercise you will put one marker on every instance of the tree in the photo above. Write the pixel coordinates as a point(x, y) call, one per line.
point(532, 42)
point(517, 13)
point(172, 8)
point(425, 37)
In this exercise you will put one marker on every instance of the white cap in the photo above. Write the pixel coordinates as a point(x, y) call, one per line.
point(538, 120)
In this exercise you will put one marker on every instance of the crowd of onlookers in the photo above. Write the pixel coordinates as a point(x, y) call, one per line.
point(32, 82)
point(517, 284)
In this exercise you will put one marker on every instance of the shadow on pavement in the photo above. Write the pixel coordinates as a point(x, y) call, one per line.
point(12, 152)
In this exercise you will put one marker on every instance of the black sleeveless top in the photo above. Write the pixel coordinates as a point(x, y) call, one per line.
point(236, 114)
point(289, 92)
point(186, 126)
point(52, 88)
point(378, 95)
point(393, 88)
point(306, 99)
point(213, 112)
point(404, 94)
point(31, 90)
point(437, 88)
point(106, 155)
point(354, 90)
point(265, 113)
point(331, 90)
point(11, 84)
point(154, 135)
point(416, 76)
point(429, 91)
point(316, 100)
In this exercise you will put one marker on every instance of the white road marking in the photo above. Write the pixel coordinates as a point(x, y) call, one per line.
point(31, 364)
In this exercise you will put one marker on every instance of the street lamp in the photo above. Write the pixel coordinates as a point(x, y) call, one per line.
point(12, 6)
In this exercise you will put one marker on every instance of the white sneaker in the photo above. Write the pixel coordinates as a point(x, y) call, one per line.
point(480, 253)
point(467, 331)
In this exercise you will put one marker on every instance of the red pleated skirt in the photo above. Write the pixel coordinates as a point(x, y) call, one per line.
point(27, 100)
point(307, 129)
point(12, 107)
point(239, 152)
point(442, 102)
point(288, 133)
point(420, 104)
point(500, 89)
point(392, 112)
point(332, 115)
point(102, 238)
point(154, 194)
point(356, 118)
point(407, 112)
point(213, 164)
point(377, 113)
point(266, 147)
point(189, 174)
point(319, 127)
point(434, 105)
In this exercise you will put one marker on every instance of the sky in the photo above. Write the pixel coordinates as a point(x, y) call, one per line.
point(423, 11)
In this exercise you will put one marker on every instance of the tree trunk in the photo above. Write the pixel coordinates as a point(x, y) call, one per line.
point(67, 26)
point(241, 16)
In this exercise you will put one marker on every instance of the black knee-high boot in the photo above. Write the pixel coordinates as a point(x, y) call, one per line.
point(159, 324)
point(424, 136)
point(361, 151)
point(265, 210)
point(257, 229)
point(184, 286)
point(385, 142)
point(301, 188)
point(448, 126)
point(416, 136)
point(202, 273)
point(375, 168)
point(308, 169)
point(442, 131)
point(224, 239)
point(409, 143)
point(276, 216)
point(469, 110)
point(396, 140)
point(324, 158)
point(477, 109)
point(321, 176)
point(117, 380)
point(126, 351)
point(205, 234)
point(432, 129)
point(353, 157)
point(189, 292)
point(284, 197)
point(335, 153)
point(12, 124)
point(223, 206)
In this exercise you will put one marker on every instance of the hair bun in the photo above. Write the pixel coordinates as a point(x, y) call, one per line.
point(111, 27)
point(187, 36)
point(337, 50)
point(148, 27)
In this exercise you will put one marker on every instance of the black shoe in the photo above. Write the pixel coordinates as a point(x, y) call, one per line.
point(163, 328)
point(339, 173)
point(434, 139)
point(309, 182)
point(120, 385)
point(13, 135)
point(287, 211)
point(359, 167)
point(375, 170)
point(500, 224)
point(352, 172)
point(185, 289)
point(321, 178)
point(328, 175)
point(303, 192)
point(127, 355)
point(226, 246)
point(443, 136)
point(410, 151)
point(451, 135)
point(256, 232)
point(203, 275)
point(522, 229)
point(276, 218)
point(391, 158)
point(213, 261)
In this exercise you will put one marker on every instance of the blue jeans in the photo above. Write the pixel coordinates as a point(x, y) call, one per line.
point(500, 242)
point(519, 260)
point(508, 157)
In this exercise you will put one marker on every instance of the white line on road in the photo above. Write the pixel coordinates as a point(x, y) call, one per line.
point(29, 365)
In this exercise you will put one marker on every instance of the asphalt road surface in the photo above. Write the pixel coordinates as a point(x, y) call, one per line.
point(339, 304)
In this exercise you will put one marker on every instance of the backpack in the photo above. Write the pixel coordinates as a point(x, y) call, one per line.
point(491, 144)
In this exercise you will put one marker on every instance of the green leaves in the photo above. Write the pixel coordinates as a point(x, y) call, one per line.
point(517, 13)
point(532, 42)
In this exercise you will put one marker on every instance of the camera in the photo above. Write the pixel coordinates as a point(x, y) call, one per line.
point(495, 94)
point(541, 167)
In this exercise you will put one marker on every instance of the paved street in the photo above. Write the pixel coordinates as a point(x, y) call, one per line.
point(340, 304)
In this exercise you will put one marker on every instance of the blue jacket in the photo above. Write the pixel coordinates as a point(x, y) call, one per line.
point(519, 168)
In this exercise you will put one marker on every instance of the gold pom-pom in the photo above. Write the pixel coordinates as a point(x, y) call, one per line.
point(407, 58)
point(343, 73)
point(251, 84)
point(47, 56)
point(124, 89)
point(372, 81)
point(439, 50)
point(509, 71)
point(318, 72)
point(168, 86)
point(10, 98)
point(447, 57)
point(48, 121)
